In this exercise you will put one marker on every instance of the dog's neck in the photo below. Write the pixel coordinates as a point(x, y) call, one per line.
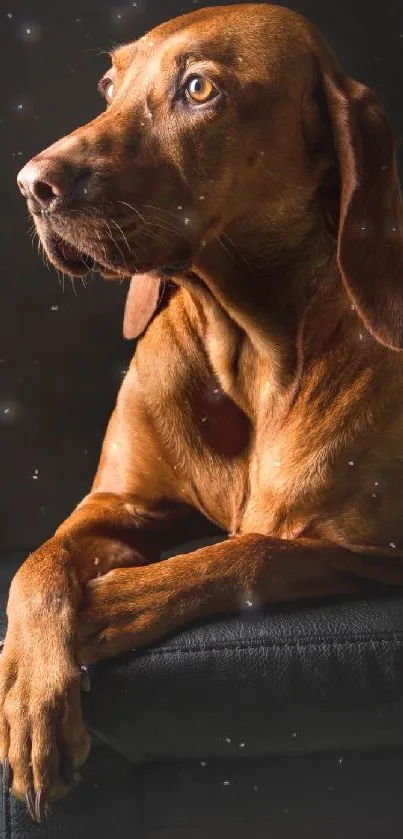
point(274, 318)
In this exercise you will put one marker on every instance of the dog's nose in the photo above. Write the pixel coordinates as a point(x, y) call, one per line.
point(45, 180)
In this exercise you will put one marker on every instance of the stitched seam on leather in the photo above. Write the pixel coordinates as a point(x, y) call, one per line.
point(279, 645)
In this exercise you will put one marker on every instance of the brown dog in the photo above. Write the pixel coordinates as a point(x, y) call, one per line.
point(237, 158)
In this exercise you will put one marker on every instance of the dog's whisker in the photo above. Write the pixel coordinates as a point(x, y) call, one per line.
point(120, 230)
point(177, 216)
point(220, 242)
point(114, 242)
point(237, 251)
point(285, 182)
point(96, 232)
point(134, 210)
point(168, 225)
point(155, 237)
point(167, 229)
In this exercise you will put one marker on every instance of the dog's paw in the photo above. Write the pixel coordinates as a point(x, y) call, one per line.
point(42, 735)
point(125, 609)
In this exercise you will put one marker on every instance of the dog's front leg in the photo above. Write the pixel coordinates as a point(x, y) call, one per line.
point(129, 608)
point(42, 735)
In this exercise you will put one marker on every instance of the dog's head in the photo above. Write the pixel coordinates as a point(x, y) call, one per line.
point(216, 118)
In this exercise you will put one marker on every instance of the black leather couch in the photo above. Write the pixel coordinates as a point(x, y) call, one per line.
point(283, 722)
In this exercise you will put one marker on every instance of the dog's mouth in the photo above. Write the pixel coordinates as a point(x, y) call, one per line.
point(75, 252)
point(68, 257)
point(72, 260)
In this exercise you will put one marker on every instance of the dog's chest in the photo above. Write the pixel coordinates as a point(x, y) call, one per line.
point(219, 424)
point(210, 451)
point(205, 435)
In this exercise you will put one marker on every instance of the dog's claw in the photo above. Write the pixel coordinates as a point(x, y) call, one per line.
point(40, 805)
point(29, 798)
point(2, 642)
point(7, 774)
point(85, 679)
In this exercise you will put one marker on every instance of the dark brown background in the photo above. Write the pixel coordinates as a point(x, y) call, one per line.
point(62, 356)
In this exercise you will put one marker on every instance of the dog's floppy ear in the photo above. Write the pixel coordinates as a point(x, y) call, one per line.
point(141, 303)
point(370, 236)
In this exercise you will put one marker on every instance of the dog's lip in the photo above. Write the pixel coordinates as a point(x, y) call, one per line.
point(78, 261)
point(74, 260)
point(70, 258)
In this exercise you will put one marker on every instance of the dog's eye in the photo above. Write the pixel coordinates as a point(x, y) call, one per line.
point(106, 87)
point(199, 89)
